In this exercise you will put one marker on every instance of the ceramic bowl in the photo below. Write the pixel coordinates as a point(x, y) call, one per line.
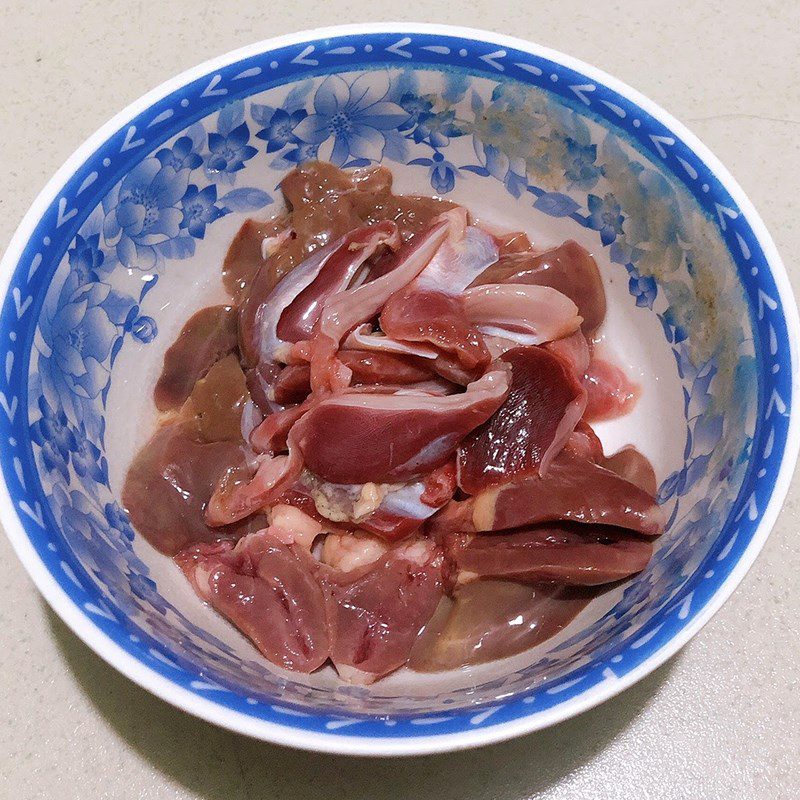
point(127, 239)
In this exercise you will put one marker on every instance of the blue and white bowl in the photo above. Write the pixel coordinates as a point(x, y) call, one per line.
point(127, 240)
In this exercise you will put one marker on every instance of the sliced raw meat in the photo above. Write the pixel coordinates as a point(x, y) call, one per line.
point(514, 242)
point(526, 314)
point(240, 492)
point(585, 443)
point(573, 350)
point(574, 490)
point(387, 368)
point(430, 309)
point(630, 464)
point(404, 509)
point(294, 383)
point(260, 382)
point(340, 270)
point(360, 438)
point(437, 319)
point(272, 434)
point(376, 612)
point(169, 484)
point(299, 296)
point(611, 393)
point(346, 310)
point(327, 202)
point(217, 402)
point(269, 591)
point(363, 338)
point(543, 406)
point(465, 254)
point(207, 337)
point(494, 619)
point(393, 439)
point(250, 250)
point(571, 554)
point(569, 268)
point(438, 387)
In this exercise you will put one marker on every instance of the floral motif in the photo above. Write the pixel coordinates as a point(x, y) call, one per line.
point(55, 438)
point(87, 458)
point(86, 258)
point(644, 289)
point(353, 117)
point(79, 326)
point(144, 329)
point(605, 216)
point(442, 173)
point(229, 151)
point(279, 130)
point(143, 212)
point(579, 162)
point(182, 155)
point(199, 209)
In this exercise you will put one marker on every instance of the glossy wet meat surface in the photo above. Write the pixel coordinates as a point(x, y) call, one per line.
point(206, 338)
point(379, 453)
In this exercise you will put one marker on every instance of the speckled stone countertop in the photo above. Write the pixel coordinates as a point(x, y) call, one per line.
point(720, 720)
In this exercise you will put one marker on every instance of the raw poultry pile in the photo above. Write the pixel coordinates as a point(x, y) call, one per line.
point(387, 432)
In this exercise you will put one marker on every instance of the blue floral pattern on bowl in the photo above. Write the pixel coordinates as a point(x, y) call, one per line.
point(456, 111)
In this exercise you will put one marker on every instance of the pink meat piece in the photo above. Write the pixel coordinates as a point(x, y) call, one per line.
point(272, 434)
point(261, 319)
point(298, 319)
point(573, 350)
point(611, 393)
point(359, 437)
point(492, 619)
point(543, 406)
point(527, 315)
point(238, 495)
point(207, 337)
point(439, 319)
point(246, 259)
point(404, 510)
point(292, 385)
point(431, 309)
point(368, 368)
point(569, 268)
point(464, 255)
point(268, 590)
point(576, 555)
point(439, 387)
point(585, 443)
point(260, 381)
point(635, 467)
point(346, 310)
point(364, 338)
point(373, 368)
point(574, 489)
point(169, 484)
point(376, 612)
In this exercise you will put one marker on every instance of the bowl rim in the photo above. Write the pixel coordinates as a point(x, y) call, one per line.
point(342, 743)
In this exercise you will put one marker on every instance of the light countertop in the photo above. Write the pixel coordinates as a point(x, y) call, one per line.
point(720, 720)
